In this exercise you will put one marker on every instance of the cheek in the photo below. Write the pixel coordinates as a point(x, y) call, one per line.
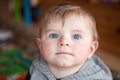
point(81, 51)
point(47, 49)
point(81, 46)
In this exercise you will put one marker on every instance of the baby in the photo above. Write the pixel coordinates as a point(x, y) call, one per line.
point(67, 42)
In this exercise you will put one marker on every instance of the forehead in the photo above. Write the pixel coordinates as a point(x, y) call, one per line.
point(80, 20)
point(69, 21)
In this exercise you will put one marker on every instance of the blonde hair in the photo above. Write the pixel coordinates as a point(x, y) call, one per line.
point(62, 11)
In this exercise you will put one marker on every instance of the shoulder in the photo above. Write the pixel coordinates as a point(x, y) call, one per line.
point(95, 68)
point(104, 71)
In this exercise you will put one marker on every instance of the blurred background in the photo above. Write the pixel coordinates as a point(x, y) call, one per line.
point(19, 21)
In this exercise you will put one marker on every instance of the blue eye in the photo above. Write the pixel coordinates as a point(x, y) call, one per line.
point(76, 36)
point(54, 35)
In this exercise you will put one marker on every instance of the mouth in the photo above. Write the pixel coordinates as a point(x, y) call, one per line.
point(64, 53)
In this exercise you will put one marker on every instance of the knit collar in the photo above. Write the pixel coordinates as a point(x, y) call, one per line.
point(89, 68)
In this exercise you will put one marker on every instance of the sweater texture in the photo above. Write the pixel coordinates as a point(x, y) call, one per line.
point(93, 69)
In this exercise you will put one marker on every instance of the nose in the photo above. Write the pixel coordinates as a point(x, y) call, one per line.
point(64, 42)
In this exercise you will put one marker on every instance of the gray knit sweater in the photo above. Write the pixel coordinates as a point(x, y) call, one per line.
point(93, 69)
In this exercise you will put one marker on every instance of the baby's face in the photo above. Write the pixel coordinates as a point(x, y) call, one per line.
point(67, 45)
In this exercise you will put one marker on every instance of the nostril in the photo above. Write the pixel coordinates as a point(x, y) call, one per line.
point(64, 44)
point(67, 44)
point(61, 44)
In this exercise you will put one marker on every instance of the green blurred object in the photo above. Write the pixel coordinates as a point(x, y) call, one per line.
point(14, 61)
point(17, 8)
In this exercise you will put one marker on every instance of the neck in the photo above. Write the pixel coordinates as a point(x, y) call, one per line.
point(62, 72)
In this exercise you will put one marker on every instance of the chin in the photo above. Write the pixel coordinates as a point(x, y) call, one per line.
point(63, 64)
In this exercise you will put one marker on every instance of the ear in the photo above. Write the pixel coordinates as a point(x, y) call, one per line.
point(38, 40)
point(93, 48)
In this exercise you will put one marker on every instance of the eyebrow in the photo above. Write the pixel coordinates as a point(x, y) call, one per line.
point(77, 31)
point(49, 30)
